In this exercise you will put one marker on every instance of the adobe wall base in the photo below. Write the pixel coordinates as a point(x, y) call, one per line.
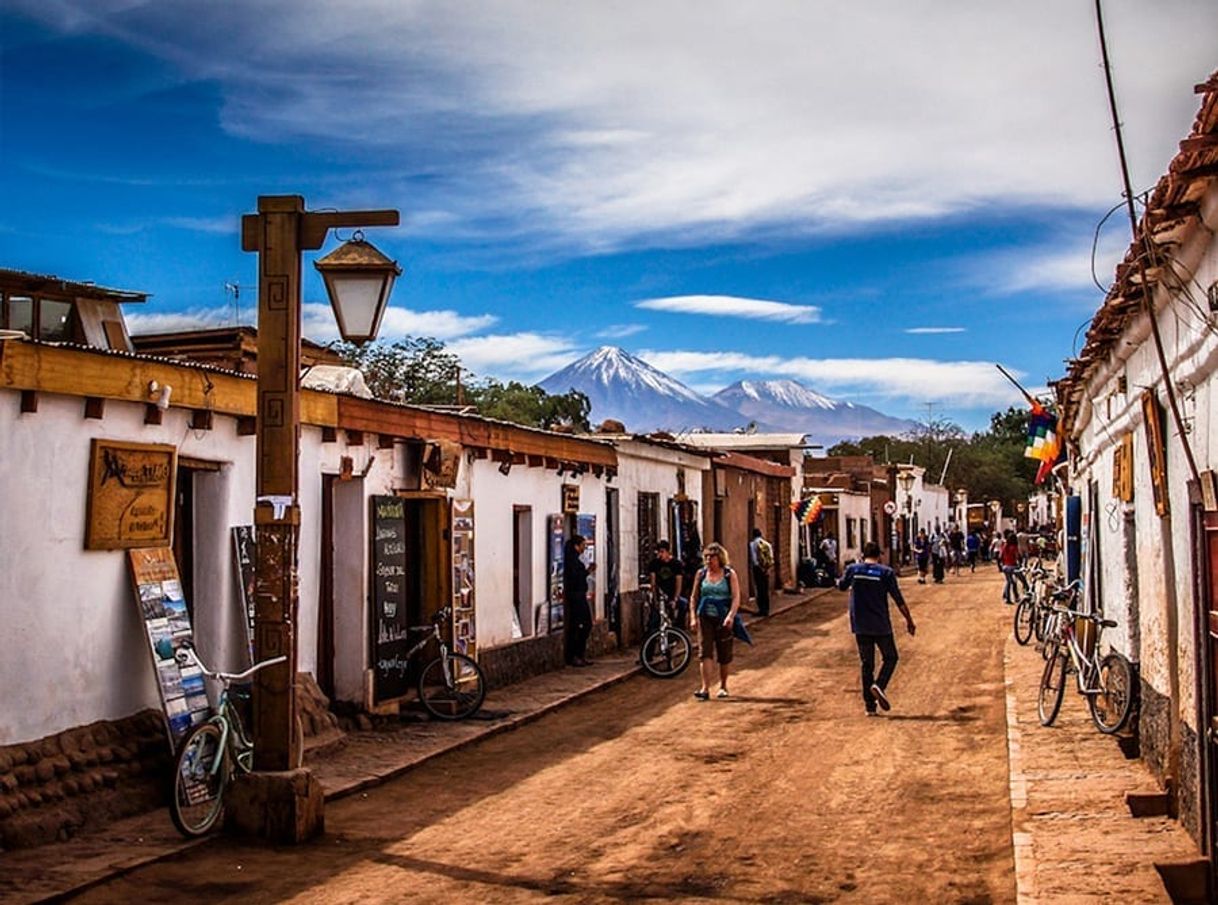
point(285, 807)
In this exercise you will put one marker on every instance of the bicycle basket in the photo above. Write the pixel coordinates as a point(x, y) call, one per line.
point(1085, 632)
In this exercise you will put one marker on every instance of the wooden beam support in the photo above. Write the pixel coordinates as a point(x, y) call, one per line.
point(29, 402)
point(385, 441)
point(153, 414)
point(202, 419)
point(355, 438)
point(95, 407)
point(329, 435)
point(247, 426)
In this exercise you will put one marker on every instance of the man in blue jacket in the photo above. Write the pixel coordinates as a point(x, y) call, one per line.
point(871, 584)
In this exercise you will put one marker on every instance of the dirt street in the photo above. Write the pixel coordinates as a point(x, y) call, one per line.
point(785, 792)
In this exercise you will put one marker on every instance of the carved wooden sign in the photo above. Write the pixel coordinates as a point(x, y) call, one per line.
point(130, 500)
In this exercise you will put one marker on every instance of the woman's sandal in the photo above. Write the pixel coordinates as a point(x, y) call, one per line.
point(702, 695)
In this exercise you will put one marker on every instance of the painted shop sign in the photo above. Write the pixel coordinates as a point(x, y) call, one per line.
point(130, 500)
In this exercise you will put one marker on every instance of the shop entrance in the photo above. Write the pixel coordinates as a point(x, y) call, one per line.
point(1206, 570)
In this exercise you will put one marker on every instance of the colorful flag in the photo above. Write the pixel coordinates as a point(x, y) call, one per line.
point(1044, 443)
point(807, 511)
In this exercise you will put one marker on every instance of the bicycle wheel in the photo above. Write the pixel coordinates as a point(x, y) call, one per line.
point(666, 653)
point(453, 693)
point(1023, 622)
point(1040, 622)
point(1052, 686)
point(1111, 706)
point(198, 784)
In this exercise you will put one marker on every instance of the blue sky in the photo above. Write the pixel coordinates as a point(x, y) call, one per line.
point(880, 200)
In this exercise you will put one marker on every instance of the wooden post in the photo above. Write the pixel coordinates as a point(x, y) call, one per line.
point(277, 512)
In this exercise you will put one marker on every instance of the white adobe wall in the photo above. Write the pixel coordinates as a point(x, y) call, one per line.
point(644, 469)
point(858, 507)
point(73, 649)
point(1191, 348)
point(495, 496)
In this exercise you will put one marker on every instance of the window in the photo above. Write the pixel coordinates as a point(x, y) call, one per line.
point(47, 319)
point(649, 529)
point(851, 533)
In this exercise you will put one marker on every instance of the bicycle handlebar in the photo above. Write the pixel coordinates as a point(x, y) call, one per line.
point(186, 654)
point(1094, 617)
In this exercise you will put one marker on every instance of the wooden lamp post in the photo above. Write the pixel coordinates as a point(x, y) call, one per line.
point(281, 805)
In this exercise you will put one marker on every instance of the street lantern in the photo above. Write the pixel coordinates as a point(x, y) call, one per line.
point(358, 278)
point(906, 480)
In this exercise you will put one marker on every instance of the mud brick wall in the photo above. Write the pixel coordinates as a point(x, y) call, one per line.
point(1154, 738)
point(533, 656)
point(55, 787)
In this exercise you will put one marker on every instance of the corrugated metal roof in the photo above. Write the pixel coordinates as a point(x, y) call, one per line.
point(41, 282)
point(744, 441)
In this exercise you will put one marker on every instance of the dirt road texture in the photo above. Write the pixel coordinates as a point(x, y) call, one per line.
point(784, 792)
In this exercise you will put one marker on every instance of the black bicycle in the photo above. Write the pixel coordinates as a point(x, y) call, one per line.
point(667, 651)
point(451, 687)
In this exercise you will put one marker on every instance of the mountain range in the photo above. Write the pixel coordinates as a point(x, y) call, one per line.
point(625, 388)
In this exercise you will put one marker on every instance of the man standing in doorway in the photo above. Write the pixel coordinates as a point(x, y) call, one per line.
point(761, 558)
point(828, 549)
point(870, 585)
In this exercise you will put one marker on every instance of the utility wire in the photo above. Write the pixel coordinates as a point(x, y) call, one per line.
point(1141, 259)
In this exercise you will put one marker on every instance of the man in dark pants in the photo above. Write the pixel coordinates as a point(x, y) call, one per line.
point(761, 557)
point(577, 623)
point(870, 585)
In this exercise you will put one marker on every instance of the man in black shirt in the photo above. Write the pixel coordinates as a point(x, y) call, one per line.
point(870, 585)
point(667, 577)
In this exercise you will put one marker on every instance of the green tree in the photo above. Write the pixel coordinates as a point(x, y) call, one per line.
point(531, 405)
point(417, 370)
point(989, 464)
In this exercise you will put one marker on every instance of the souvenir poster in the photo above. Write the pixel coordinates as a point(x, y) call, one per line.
point(246, 560)
point(585, 525)
point(464, 625)
point(554, 552)
point(389, 618)
point(158, 590)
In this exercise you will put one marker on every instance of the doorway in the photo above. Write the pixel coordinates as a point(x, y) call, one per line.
point(522, 570)
point(325, 591)
point(1205, 569)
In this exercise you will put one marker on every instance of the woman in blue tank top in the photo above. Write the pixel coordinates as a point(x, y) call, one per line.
point(715, 601)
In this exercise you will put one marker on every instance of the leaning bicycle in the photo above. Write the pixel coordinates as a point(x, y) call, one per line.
point(667, 651)
point(451, 687)
point(1027, 609)
point(212, 752)
point(1106, 682)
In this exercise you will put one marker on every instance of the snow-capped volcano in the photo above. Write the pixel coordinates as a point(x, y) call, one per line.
point(796, 407)
point(626, 388)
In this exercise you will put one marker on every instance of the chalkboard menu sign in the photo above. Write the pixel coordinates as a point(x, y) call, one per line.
point(389, 618)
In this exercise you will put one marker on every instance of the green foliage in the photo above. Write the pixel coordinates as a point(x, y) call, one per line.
point(421, 371)
point(418, 370)
point(990, 464)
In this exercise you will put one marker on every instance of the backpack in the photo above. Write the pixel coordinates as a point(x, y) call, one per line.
point(765, 554)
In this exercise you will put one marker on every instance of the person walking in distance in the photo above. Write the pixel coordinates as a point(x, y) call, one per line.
point(921, 548)
point(871, 584)
point(828, 547)
point(1009, 559)
point(578, 622)
point(714, 603)
point(973, 544)
point(761, 559)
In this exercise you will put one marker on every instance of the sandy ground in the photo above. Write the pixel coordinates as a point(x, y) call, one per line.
point(785, 792)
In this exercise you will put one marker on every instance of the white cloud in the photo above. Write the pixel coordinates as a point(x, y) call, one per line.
point(620, 331)
point(731, 306)
point(966, 384)
point(930, 331)
point(139, 322)
point(575, 123)
point(319, 323)
point(1063, 266)
point(514, 356)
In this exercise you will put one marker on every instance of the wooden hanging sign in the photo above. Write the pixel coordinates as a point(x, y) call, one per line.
point(130, 502)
